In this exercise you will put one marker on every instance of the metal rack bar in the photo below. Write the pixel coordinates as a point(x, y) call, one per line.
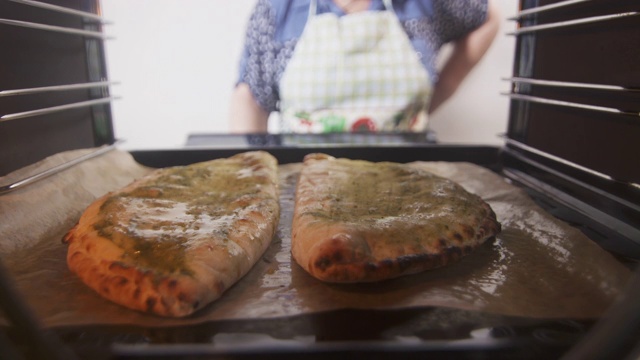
point(61, 9)
point(60, 29)
point(562, 24)
point(48, 110)
point(540, 100)
point(54, 170)
point(617, 225)
point(544, 154)
point(539, 9)
point(565, 84)
point(88, 85)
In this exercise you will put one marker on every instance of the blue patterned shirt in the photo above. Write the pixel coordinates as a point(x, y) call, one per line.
point(275, 26)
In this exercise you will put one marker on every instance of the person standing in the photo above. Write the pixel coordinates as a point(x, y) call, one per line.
point(355, 65)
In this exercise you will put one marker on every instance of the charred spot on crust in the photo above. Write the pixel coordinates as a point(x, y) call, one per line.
point(171, 284)
point(406, 262)
point(454, 252)
point(337, 256)
point(370, 267)
point(323, 262)
point(150, 302)
point(442, 242)
point(386, 263)
point(121, 281)
point(457, 236)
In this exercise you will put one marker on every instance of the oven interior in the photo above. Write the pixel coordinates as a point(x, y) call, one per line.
point(572, 144)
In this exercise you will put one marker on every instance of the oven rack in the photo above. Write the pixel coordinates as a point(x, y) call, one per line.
point(25, 181)
point(57, 96)
point(575, 88)
point(560, 24)
point(87, 15)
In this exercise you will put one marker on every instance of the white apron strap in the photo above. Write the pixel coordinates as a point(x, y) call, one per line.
point(313, 8)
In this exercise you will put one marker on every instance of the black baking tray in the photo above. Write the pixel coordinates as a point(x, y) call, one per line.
point(373, 334)
point(486, 156)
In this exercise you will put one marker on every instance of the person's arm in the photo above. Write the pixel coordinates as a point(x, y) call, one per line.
point(246, 116)
point(466, 53)
point(253, 97)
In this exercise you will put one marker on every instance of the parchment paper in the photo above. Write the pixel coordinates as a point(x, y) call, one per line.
point(537, 267)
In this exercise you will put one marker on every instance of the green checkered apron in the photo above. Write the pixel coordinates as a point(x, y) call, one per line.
point(358, 72)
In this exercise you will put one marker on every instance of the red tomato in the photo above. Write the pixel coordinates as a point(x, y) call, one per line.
point(363, 125)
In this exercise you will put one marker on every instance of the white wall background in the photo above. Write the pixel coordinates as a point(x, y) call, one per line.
point(176, 63)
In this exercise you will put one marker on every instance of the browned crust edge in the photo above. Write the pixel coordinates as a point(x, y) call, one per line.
point(145, 291)
point(339, 257)
point(342, 265)
point(97, 262)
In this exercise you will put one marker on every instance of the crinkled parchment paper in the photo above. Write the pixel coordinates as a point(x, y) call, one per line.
point(537, 267)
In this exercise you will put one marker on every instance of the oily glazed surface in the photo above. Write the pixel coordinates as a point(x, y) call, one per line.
point(359, 221)
point(175, 240)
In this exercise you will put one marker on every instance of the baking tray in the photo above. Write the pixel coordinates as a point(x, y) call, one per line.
point(487, 156)
point(376, 334)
